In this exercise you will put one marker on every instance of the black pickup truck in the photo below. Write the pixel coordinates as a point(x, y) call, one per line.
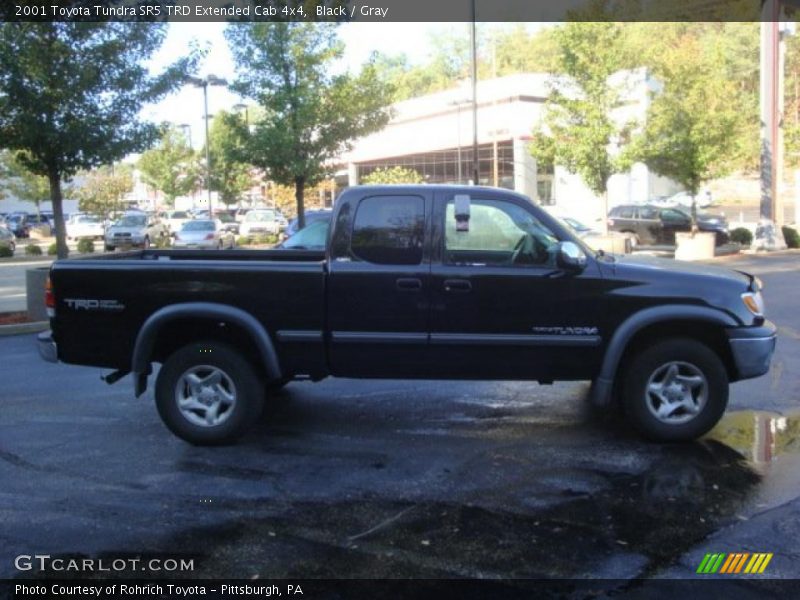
point(426, 282)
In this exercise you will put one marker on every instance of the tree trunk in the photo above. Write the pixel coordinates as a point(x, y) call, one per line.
point(299, 190)
point(58, 212)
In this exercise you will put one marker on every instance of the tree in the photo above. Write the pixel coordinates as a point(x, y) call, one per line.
point(71, 92)
point(230, 175)
point(692, 129)
point(579, 130)
point(171, 166)
point(393, 175)
point(20, 183)
point(311, 114)
point(103, 188)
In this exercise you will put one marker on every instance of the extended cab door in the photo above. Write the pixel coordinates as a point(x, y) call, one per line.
point(379, 285)
point(500, 305)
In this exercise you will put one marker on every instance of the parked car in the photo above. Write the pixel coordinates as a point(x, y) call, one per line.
point(260, 221)
point(82, 226)
point(19, 224)
point(174, 219)
point(311, 216)
point(7, 239)
point(204, 234)
point(613, 241)
point(311, 237)
point(649, 225)
point(134, 229)
point(417, 281)
point(228, 221)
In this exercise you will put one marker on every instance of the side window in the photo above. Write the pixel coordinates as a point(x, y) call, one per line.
point(389, 230)
point(646, 212)
point(500, 233)
point(673, 216)
point(626, 212)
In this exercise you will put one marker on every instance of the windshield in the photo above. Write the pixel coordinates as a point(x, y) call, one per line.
point(88, 219)
point(312, 237)
point(260, 216)
point(131, 221)
point(178, 215)
point(198, 226)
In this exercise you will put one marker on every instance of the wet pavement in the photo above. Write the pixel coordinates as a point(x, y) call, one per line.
point(401, 478)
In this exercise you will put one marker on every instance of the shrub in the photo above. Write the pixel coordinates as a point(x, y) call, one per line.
point(242, 240)
point(163, 241)
point(266, 239)
point(52, 249)
point(5, 252)
point(791, 236)
point(85, 246)
point(33, 250)
point(742, 235)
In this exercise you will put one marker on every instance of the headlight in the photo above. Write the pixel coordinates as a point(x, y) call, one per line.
point(754, 303)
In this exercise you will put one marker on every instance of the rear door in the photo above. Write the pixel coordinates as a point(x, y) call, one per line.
point(672, 221)
point(379, 286)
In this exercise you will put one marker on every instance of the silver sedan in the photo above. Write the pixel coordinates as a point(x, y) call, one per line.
point(204, 234)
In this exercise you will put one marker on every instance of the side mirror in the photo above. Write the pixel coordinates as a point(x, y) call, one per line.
point(461, 209)
point(570, 257)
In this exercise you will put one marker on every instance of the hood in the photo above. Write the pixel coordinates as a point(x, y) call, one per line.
point(654, 269)
point(131, 230)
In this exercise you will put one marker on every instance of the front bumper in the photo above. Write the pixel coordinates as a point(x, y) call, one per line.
point(47, 347)
point(752, 349)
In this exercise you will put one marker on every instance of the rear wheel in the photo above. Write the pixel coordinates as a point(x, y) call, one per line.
point(632, 238)
point(109, 248)
point(207, 393)
point(675, 390)
point(146, 243)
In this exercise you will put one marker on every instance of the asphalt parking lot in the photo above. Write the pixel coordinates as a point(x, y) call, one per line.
point(373, 479)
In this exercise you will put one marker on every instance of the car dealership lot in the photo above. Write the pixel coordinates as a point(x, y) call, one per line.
point(402, 478)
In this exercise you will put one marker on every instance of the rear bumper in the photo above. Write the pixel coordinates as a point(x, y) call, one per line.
point(47, 347)
point(752, 349)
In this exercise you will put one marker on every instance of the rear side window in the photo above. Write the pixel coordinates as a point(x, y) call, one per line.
point(625, 212)
point(389, 230)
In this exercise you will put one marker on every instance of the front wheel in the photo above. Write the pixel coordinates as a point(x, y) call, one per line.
point(675, 390)
point(207, 393)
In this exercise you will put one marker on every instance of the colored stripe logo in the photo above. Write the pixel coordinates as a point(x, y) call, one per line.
point(734, 563)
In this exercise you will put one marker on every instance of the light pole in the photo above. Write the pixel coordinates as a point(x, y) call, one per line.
point(204, 82)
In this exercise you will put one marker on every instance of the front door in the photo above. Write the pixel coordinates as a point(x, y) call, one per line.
point(378, 287)
point(501, 308)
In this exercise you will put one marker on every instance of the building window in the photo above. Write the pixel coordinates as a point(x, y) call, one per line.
point(389, 230)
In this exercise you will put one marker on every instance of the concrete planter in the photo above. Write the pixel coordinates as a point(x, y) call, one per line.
point(699, 246)
point(34, 289)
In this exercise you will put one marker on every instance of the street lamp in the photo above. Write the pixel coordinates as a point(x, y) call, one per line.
point(204, 82)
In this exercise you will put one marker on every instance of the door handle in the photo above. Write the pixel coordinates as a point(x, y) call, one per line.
point(461, 286)
point(408, 284)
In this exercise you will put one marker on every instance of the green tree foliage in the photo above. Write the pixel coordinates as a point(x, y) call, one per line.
point(230, 173)
point(103, 188)
point(393, 175)
point(22, 184)
point(70, 95)
point(311, 114)
point(692, 127)
point(518, 51)
point(171, 166)
point(579, 130)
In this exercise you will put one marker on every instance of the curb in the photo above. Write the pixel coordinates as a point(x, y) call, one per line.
point(22, 328)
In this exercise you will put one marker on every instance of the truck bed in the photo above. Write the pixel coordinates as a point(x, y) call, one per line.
point(116, 294)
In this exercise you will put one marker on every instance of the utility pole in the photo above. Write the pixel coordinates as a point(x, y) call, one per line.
point(474, 41)
point(768, 233)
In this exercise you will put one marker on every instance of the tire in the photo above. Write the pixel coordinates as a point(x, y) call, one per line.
point(695, 397)
point(13, 247)
point(224, 409)
point(278, 384)
point(146, 243)
point(109, 248)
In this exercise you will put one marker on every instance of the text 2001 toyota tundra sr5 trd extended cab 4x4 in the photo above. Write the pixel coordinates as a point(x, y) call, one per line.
point(415, 282)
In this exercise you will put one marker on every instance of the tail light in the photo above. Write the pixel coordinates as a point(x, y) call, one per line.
point(610, 222)
point(210, 236)
point(49, 298)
